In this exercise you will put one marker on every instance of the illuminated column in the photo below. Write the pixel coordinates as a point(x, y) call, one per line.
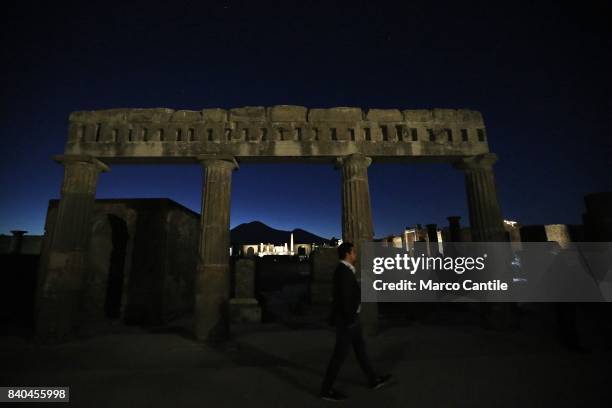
point(212, 283)
point(357, 218)
point(61, 282)
point(356, 210)
point(485, 215)
point(292, 243)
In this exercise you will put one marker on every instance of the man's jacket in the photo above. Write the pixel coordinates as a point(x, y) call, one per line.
point(346, 296)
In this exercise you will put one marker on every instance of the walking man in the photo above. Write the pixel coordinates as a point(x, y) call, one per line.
point(345, 316)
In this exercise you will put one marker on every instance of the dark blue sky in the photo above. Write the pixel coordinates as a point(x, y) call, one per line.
point(538, 71)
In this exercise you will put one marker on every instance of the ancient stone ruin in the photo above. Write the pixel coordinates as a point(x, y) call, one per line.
point(219, 140)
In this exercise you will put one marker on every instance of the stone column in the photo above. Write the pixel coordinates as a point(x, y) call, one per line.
point(16, 241)
point(432, 235)
point(357, 218)
point(486, 221)
point(454, 228)
point(212, 283)
point(486, 225)
point(61, 286)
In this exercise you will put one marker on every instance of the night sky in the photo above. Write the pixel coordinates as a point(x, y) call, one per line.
point(539, 72)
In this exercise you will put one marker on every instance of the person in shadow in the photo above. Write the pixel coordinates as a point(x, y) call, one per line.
point(344, 316)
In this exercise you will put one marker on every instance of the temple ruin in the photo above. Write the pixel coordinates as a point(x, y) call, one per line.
point(219, 140)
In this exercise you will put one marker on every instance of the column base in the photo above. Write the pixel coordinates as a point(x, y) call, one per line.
point(211, 320)
point(59, 297)
point(56, 318)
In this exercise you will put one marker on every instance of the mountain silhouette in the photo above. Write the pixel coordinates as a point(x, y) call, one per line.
point(256, 232)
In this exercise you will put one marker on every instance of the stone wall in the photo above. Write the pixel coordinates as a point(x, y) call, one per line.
point(561, 233)
point(30, 244)
point(145, 251)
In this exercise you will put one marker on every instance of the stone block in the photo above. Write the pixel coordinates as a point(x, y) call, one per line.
point(149, 115)
point(186, 116)
point(247, 114)
point(470, 116)
point(244, 310)
point(418, 115)
point(324, 262)
point(245, 278)
point(339, 114)
point(214, 115)
point(288, 113)
point(106, 115)
point(445, 115)
point(558, 233)
point(385, 115)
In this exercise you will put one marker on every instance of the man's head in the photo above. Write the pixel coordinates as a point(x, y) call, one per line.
point(347, 252)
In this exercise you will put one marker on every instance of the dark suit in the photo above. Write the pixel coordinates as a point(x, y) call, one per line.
point(346, 300)
point(346, 296)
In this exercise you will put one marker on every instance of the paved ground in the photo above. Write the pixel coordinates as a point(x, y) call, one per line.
point(274, 366)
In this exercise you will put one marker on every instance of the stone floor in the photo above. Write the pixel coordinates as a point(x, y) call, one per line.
point(274, 366)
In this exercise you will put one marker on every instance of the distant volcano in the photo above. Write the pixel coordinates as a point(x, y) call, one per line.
point(256, 232)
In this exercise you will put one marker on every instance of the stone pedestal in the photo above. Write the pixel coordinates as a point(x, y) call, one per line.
point(60, 286)
point(323, 262)
point(244, 277)
point(244, 308)
point(485, 215)
point(357, 218)
point(212, 282)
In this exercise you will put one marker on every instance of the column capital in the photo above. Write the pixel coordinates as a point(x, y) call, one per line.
point(353, 159)
point(211, 160)
point(482, 161)
point(66, 159)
